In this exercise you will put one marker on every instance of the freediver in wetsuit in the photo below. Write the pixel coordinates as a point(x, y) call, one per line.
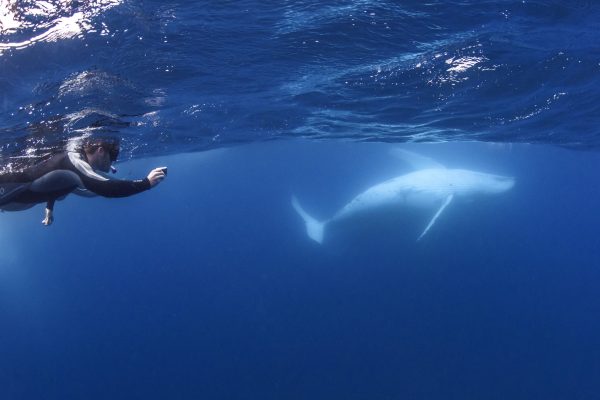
point(69, 171)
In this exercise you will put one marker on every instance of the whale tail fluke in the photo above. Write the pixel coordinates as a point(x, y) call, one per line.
point(315, 229)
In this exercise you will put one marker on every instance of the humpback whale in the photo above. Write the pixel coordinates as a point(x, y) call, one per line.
point(430, 186)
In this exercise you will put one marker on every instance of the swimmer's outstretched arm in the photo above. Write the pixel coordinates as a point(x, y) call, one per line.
point(157, 175)
point(123, 188)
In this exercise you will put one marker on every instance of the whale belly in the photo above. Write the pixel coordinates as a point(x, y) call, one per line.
point(368, 201)
point(423, 199)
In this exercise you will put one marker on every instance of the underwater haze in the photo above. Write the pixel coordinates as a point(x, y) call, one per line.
point(313, 238)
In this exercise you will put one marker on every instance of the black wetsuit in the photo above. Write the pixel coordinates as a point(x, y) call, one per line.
point(58, 176)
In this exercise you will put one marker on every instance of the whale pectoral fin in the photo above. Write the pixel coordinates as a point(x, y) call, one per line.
point(437, 214)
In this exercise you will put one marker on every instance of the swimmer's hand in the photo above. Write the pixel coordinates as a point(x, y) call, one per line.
point(49, 218)
point(156, 176)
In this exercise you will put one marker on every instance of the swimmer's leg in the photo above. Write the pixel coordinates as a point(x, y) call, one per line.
point(55, 181)
point(10, 191)
point(16, 206)
point(59, 181)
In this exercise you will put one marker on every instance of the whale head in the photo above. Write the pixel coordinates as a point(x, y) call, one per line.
point(467, 182)
point(494, 184)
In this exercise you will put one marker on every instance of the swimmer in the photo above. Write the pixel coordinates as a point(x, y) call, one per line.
point(83, 172)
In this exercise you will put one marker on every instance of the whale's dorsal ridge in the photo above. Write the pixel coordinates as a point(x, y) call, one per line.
point(416, 161)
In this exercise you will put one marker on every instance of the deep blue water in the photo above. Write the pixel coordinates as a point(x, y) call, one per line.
point(208, 286)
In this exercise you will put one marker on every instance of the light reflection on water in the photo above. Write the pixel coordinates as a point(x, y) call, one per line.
point(55, 19)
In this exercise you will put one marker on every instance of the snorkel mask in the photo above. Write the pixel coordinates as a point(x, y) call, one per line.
point(111, 145)
point(113, 151)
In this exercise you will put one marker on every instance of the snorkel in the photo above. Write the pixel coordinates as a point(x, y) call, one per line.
point(113, 150)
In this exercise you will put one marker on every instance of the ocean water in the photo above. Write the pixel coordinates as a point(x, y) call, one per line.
point(208, 285)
